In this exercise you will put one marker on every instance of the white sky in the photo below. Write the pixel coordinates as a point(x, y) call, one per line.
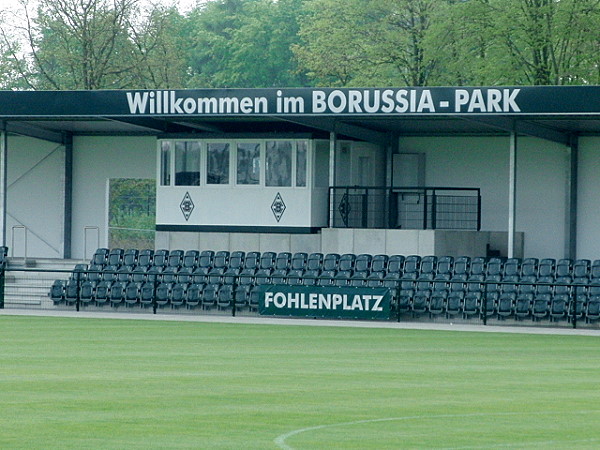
point(183, 5)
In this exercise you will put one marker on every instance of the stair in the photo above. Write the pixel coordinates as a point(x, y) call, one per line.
point(28, 285)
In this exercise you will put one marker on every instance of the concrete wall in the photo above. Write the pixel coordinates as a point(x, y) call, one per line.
point(402, 242)
point(35, 197)
point(483, 162)
point(588, 225)
point(95, 161)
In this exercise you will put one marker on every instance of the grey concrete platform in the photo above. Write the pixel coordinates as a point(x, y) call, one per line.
point(301, 322)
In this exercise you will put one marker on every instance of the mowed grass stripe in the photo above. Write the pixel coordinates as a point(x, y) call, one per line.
point(87, 383)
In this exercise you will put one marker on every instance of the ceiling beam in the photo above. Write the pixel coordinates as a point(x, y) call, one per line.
point(523, 127)
point(162, 126)
point(339, 127)
point(25, 129)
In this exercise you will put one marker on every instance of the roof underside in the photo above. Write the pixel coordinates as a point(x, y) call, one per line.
point(369, 128)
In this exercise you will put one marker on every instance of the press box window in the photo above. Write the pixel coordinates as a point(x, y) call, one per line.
point(217, 165)
point(165, 164)
point(248, 163)
point(187, 163)
point(278, 163)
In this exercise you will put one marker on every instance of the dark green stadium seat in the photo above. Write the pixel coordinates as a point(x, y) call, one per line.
point(423, 286)
point(540, 308)
point(439, 294)
point(581, 269)
point(358, 279)
point(456, 295)
point(529, 267)
point(178, 295)
point(330, 262)
point(57, 292)
point(100, 257)
point(175, 258)
point(117, 294)
point(163, 294)
point(87, 292)
point(342, 278)
point(412, 264)
point(130, 257)
point(428, 265)
point(132, 293)
point(279, 276)
point(462, 266)
point(102, 293)
point(283, 261)
point(236, 260)
point(506, 305)
point(445, 265)
point(161, 258)
point(225, 297)
point(194, 295)
point(205, 260)
point(363, 263)
point(346, 262)
point(145, 257)
point(146, 293)
point(115, 257)
point(298, 261)
point(221, 259)
point(314, 261)
point(511, 268)
point(380, 264)
point(563, 268)
point(267, 260)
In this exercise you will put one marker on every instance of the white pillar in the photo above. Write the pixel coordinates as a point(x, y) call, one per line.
point(3, 182)
point(512, 193)
point(332, 146)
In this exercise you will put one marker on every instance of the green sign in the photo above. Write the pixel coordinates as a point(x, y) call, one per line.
point(326, 302)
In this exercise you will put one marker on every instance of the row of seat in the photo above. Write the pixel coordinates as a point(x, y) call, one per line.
point(512, 267)
point(465, 287)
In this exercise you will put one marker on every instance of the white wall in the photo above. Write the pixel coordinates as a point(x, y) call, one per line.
point(482, 162)
point(588, 221)
point(95, 160)
point(35, 197)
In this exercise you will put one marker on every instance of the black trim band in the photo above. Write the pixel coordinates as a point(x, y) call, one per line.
point(238, 229)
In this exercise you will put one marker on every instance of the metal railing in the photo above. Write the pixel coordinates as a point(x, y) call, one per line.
point(421, 208)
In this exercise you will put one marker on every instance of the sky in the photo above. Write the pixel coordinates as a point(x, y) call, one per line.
point(184, 5)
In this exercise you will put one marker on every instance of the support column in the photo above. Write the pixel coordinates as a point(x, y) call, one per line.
point(332, 146)
point(512, 193)
point(68, 205)
point(572, 199)
point(3, 181)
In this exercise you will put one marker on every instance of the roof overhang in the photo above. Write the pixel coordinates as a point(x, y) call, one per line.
point(554, 113)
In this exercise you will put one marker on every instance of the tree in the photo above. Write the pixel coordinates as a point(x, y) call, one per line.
point(368, 42)
point(244, 43)
point(96, 44)
point(537, 42)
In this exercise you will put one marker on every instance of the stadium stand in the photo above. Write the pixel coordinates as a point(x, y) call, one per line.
point(428, 286)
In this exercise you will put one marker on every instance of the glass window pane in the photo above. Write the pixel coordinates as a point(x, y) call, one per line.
point(301, 150)
point(165, 164)
point(217, 167)
point(187, 163)
point(248, 163)
point(279, 163)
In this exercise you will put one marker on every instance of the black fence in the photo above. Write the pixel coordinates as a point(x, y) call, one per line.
point(482, 301)
point(421, 208)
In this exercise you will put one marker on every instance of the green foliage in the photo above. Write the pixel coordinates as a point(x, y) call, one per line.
point(94, 44)
point(132, 213)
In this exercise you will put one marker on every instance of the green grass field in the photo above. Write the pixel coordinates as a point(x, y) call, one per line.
point(101, 383)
